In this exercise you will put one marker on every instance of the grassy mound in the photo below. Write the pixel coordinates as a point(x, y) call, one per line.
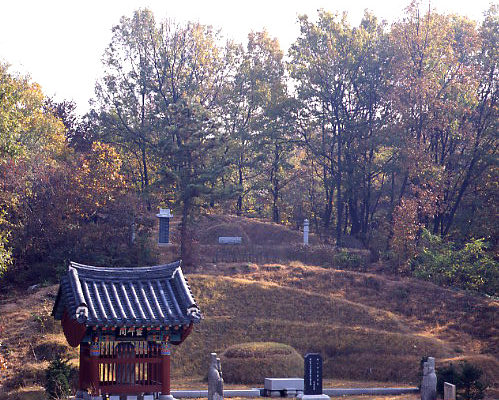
point(211, 234)
point(252, 231)
point(253, 362)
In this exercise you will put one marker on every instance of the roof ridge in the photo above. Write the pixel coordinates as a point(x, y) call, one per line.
point(153, 268)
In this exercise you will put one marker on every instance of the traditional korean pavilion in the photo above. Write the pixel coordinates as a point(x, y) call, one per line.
point(124, 320)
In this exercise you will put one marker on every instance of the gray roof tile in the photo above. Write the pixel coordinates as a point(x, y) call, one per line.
point(146, 296)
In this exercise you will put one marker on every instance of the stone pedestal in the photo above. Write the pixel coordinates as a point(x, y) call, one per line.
point(314, 397)
point(166, 397)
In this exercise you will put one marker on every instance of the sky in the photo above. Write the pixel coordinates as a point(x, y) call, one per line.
point(59, 43)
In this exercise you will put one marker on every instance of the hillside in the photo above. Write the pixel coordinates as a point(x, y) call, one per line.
point(363, 330)
point(368, 326)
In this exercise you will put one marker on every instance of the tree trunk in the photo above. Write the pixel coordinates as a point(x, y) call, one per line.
point(239, 207)
point(275, 186)
point(339, 200)
point(354, 217)
point(185, 237)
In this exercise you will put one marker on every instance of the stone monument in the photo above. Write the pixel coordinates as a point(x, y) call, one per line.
point(312, 378)
point(164, 217)
point(429, 383)
point(215, 379)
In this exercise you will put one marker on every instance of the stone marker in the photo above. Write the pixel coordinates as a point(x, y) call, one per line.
point(429, 383)
point(164, 225)
point(215, 379)
point(305, 232)
point(313, 378)
point(313, 374)
point(230, 240)
point(449, 391)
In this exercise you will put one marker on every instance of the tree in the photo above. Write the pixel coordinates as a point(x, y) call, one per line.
point(253, 90)
point(342, 74)
point(157, 102)
point(447, 119)
point(29, 137)
point(126, 96)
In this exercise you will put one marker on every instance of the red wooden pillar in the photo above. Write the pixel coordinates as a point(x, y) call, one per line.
point(165, 368)
point(83, 373)
point(94, 366)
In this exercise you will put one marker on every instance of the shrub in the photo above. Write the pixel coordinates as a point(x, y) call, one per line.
point(253, 362)
point(347, 259)
point(5, 253)
point(59, 375)
point(467, 379)
point(469, 267)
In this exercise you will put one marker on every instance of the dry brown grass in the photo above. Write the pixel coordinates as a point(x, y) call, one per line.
point(466, 319)
point(30, 336)
point(369, 327)
point(34, 392)
point(357, 341)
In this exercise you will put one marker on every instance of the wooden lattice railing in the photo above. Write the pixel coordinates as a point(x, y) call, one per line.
point(126, 368)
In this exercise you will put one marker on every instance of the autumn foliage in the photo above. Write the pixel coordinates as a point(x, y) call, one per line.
point(374, 133)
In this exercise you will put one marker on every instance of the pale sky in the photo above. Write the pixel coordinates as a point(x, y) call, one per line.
point(59, 43)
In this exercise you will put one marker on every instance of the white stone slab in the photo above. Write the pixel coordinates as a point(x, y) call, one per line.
point(114, 397)
point(283, 384)
point(148, 397)
point(131, 397)
point(230, 239)
point(314, 397)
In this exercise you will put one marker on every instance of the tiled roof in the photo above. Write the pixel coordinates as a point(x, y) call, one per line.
point(141, 296)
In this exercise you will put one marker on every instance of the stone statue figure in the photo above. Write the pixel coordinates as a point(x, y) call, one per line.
point(215, 380)
point(429, 383)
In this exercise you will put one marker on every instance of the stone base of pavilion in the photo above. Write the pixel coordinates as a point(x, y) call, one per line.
point(158, 396)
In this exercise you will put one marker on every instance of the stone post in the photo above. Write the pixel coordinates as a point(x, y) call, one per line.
point(449, 391)
point(215, 379)
point(305, 232)
point(429, 383)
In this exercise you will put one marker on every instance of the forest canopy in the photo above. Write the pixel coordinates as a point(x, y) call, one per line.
point(382, 136)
